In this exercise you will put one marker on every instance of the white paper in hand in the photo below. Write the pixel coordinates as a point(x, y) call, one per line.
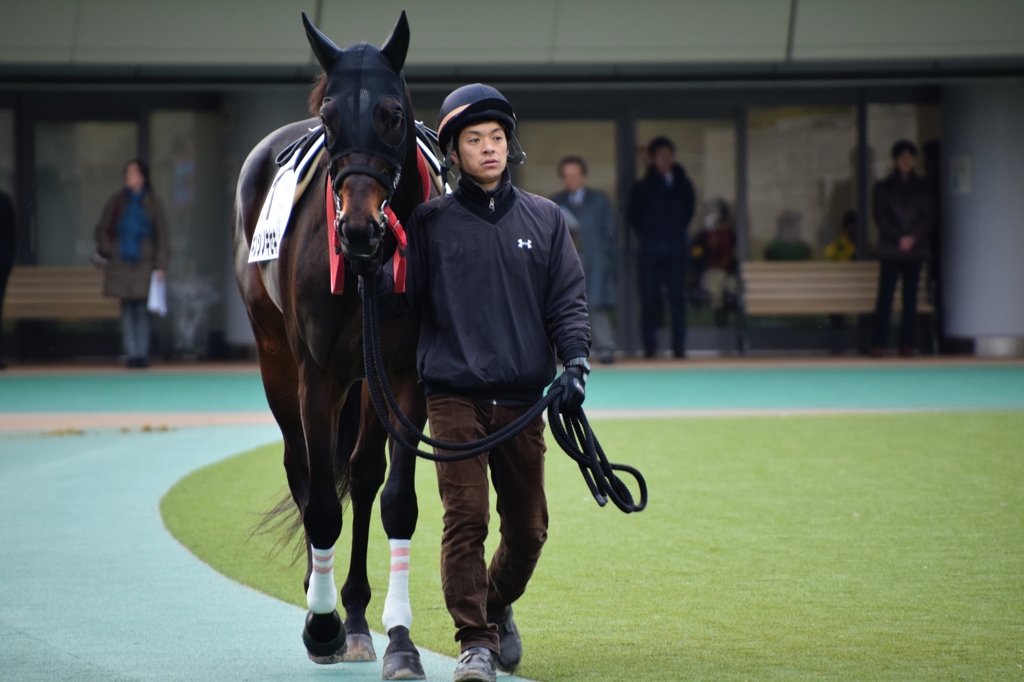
point(157, 302)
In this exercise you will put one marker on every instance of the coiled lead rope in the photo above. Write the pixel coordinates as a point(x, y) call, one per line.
point(572, 432)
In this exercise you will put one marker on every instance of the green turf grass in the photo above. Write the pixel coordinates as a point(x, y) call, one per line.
point(855, 547)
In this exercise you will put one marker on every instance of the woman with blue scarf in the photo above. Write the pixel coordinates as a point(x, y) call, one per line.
point(132, 237)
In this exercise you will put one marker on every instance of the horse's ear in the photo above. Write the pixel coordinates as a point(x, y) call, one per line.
point(396, 45)
point(324, 50)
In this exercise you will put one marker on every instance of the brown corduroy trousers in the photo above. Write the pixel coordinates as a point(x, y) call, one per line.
point(472, 591)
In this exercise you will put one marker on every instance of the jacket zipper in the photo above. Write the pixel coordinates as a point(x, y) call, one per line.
point(492, 204)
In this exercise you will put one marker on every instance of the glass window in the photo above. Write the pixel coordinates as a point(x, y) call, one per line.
point(546, 142)
point(78, 167)
point(801, 178)
point(185, 162)
point(187, 175)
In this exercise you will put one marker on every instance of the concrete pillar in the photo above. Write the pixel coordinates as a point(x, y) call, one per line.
point(983, 208)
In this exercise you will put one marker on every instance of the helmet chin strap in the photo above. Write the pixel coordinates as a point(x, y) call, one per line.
point(516, 155)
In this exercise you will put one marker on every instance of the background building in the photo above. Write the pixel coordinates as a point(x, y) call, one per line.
point(784, 108)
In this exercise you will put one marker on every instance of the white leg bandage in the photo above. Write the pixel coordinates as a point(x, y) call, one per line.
point(396, 605)
point(322, 596)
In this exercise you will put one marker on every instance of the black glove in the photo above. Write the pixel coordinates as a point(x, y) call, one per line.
point(573, 384)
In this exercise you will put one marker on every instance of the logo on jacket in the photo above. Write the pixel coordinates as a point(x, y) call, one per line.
point(525, 244)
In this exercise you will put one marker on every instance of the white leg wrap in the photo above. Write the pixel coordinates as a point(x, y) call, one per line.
point(396, 605)
point(322, 596)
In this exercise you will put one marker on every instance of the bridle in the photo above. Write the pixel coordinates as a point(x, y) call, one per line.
point(361, 169)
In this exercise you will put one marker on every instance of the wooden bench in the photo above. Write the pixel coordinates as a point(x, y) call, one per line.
point(42, 292)
point(819, 288)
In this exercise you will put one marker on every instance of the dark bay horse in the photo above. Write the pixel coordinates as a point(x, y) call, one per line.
point(309, 341)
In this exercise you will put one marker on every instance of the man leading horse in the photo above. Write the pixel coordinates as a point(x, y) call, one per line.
point(500, 290)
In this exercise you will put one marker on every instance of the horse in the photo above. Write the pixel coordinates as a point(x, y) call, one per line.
point(309, 341)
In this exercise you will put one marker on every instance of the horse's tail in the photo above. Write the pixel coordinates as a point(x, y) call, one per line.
point(283, 520)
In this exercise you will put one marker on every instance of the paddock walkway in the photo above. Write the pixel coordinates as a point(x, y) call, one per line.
point(97, 397)
point(94, 588)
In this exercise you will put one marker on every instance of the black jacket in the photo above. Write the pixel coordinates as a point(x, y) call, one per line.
point(500, 289)
point(903, 208)
point(659, 213)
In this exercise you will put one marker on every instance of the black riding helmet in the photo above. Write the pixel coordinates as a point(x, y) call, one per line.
point(471, 104)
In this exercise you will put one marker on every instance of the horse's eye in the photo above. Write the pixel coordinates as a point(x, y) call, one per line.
point(330, 115)
point(388, 119)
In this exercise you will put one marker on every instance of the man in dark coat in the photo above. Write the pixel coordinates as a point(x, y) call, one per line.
point(589, 215)
point(660, 210)
point(904, 210)
point(7, 247)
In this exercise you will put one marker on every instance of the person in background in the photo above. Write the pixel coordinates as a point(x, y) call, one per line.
point(844, 248)
point(7, 250)
point(660, 209)
point(904, 210)
point(788, 244)
point(132, 244)
point(714, 258)
point(588, 212)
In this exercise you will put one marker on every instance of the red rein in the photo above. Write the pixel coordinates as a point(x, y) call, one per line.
point(338, 259)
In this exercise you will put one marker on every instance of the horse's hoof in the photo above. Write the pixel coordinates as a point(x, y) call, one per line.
point(403, 665)
point(360, 648)
point(324, 637)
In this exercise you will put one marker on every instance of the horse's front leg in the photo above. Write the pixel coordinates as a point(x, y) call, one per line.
point(324, 634)
point(399, 513)
point(367, 466)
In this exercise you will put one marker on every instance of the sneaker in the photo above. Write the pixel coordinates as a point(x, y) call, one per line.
point(510, 643)
point(476, 665)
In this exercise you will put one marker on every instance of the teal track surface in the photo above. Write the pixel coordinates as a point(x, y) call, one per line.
point(850, 387)
point(95, 589)
point(92, 587)
point(130, 392)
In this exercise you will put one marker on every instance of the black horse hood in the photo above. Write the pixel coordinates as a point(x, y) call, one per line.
point(360, 79)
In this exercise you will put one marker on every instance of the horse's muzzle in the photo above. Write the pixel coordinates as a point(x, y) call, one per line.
point(362, 246)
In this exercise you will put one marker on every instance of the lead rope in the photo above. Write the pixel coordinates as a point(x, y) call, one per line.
point(572, 432)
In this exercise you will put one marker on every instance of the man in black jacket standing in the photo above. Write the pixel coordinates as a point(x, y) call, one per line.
point(904, 210)
point(501, 290)
point(660, 210)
